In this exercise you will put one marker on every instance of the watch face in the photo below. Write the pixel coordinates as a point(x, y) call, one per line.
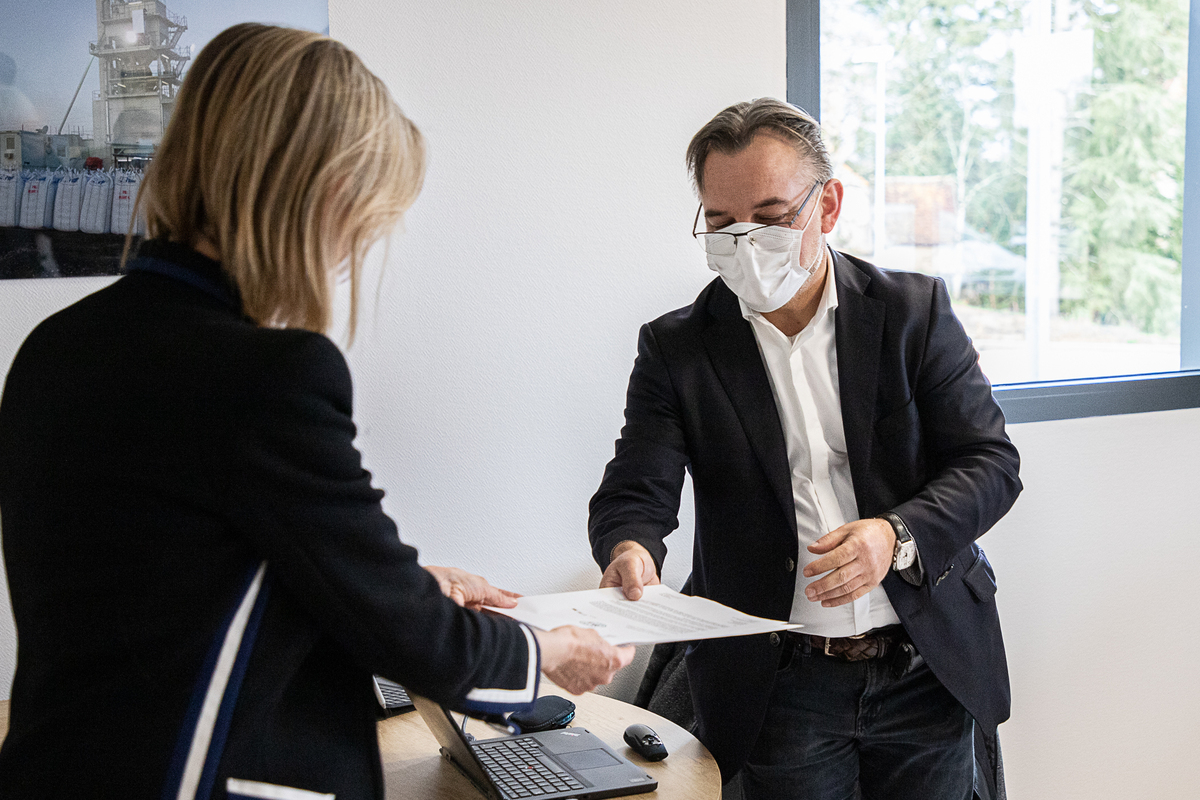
point(906, 554)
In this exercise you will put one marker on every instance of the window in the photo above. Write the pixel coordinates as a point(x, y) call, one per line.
point(1029, 152)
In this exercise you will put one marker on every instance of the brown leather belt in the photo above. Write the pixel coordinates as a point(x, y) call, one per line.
point(876, 644)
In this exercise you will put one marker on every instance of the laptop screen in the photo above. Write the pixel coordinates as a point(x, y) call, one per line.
point(452, 739)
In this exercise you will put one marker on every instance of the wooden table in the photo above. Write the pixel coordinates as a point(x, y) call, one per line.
point(415, 771)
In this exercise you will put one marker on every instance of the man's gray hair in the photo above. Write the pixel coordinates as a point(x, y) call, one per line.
point(733, 129)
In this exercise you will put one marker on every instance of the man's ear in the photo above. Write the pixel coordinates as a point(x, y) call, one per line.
point(831, 204)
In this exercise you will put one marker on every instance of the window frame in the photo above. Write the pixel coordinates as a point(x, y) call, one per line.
point(1066, 399)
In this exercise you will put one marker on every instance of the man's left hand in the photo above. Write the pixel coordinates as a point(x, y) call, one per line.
point(857, 556)
point(471, 591)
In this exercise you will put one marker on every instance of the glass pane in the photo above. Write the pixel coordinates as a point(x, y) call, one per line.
point(1029, 153)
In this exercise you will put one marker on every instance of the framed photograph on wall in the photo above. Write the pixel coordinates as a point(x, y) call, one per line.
point(87, 88)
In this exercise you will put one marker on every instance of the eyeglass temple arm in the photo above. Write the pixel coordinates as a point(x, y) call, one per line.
point(803, 203)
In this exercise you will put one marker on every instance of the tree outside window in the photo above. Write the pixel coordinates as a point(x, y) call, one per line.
point(1033, 159)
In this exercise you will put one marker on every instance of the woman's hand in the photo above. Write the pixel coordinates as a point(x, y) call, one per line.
point(578, 660)
point(471, 591)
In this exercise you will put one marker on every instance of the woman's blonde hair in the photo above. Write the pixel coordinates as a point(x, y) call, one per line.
point(289, 156)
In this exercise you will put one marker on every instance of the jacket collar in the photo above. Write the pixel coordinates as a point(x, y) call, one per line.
point(859, 332)
point(738, 364)
point(178, 261)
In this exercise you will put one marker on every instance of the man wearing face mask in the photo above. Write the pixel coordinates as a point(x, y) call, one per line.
point(845, 453)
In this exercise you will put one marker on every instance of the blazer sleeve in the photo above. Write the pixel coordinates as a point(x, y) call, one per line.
point(638, 498)
point(303, 499)
point(973, 463)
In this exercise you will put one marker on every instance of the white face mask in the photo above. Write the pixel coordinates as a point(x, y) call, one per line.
point(766, 272)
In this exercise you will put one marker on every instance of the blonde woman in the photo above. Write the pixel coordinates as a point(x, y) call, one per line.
point(202, 576)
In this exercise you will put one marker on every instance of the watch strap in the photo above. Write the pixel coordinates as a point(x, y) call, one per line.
point(914, 573)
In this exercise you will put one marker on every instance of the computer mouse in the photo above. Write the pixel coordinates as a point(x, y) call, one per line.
point(645, 742)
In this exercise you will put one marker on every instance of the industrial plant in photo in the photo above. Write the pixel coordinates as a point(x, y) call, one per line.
point(87, 89)
point(140, 59)
point(58, 187)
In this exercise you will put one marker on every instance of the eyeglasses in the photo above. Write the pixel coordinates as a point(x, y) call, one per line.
point(766, 238)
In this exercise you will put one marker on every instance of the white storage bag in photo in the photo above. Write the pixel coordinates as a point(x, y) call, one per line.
point(68, 202)
point(12, 187)
point(125, 189)
point(96, 214)
point(37, 206)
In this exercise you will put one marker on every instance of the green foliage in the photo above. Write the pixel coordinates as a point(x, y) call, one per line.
point(1122, 187)
point(950, 109)
point(950, 106)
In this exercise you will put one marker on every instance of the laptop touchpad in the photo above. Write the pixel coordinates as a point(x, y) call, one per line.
point(587, 759)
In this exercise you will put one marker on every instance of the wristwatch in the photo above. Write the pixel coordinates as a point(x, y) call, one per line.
point(905, 558)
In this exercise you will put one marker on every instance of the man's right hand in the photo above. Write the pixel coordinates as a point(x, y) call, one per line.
point(578, 660)
point(631, 568)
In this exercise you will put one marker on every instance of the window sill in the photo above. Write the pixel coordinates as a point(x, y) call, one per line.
point(1098, 397)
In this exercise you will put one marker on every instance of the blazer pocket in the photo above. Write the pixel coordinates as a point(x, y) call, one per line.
point(903, 418)
point(981, 580)
point(257, 790)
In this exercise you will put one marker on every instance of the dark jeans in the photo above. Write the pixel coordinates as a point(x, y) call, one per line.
point(844, 730)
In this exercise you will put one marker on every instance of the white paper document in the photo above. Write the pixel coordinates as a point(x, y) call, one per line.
point(661, 615)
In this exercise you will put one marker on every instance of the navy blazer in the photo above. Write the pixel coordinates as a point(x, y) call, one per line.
point(925, 439)
point(156, 450)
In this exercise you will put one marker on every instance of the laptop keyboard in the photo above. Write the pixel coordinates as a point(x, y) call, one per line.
point(520, 770)
point(394, 695)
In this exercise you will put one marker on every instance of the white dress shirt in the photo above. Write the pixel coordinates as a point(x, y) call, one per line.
point(803, 373)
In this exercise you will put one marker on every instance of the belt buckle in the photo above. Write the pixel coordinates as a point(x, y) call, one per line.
point(828, 640)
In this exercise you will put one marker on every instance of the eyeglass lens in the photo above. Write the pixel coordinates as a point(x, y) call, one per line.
point(767, 239)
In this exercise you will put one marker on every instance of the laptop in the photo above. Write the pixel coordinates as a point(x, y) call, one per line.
point(565, 763)
point(391, 696)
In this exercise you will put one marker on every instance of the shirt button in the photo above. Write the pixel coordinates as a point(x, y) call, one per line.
point(789, 565)
point(774, 640)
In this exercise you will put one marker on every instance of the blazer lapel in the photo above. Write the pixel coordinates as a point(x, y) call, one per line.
point(859, 331)
point(739, 367)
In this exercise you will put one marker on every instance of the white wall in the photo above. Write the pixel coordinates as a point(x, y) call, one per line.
point(490, 372)
point(555, 219)
point(1095, 567)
